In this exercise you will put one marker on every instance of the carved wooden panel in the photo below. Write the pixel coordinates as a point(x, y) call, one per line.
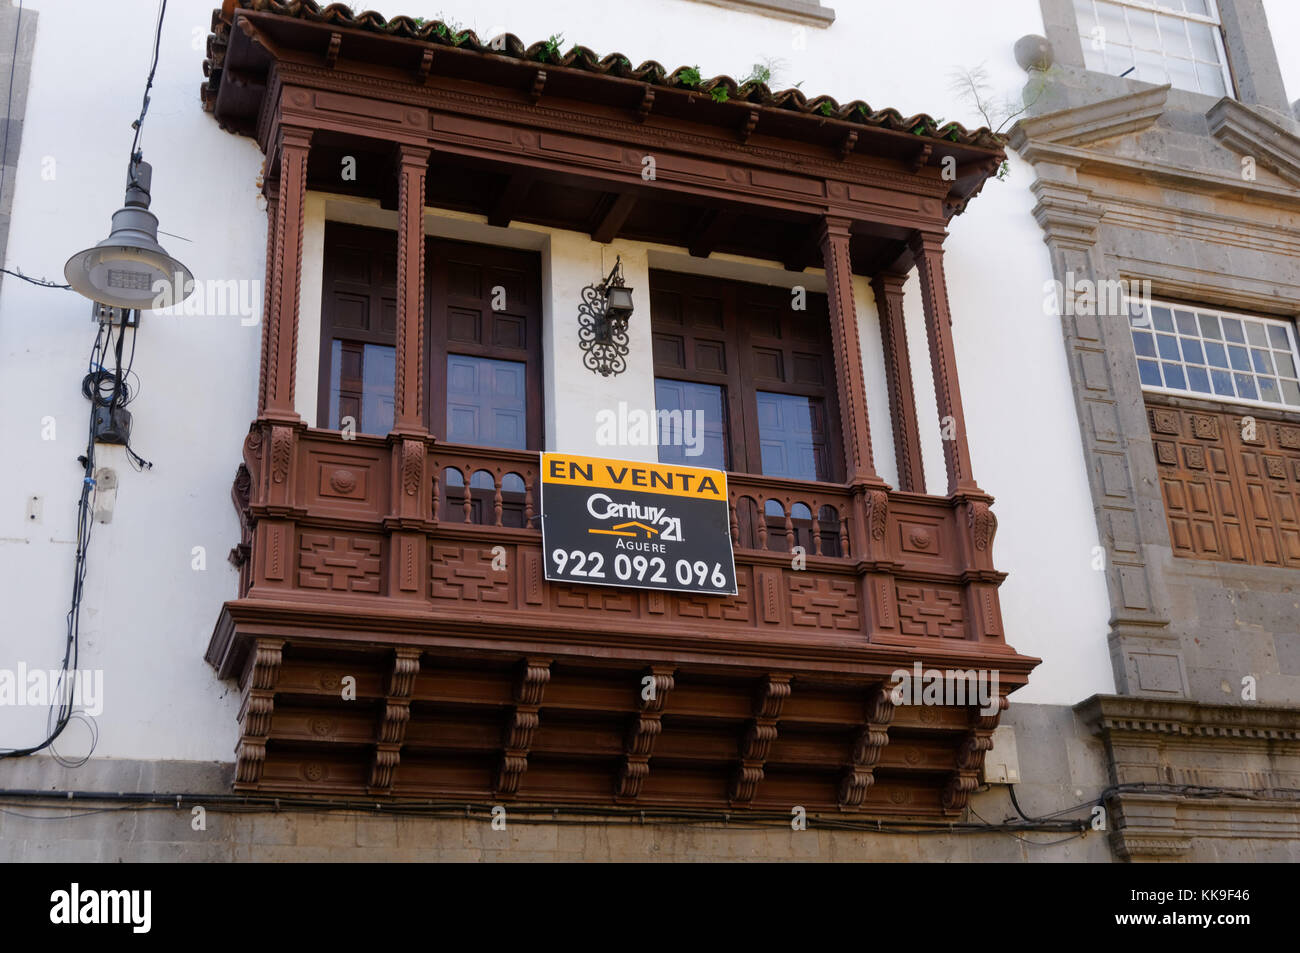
point(931, 611)
point(465, 574)
point(822, 602)
point(1231, 484)
point(340, 563)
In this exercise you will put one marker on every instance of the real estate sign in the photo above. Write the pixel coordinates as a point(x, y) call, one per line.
point(643, 525)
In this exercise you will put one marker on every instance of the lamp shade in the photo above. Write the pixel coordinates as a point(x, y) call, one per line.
point(129, 269)
point(618, 302)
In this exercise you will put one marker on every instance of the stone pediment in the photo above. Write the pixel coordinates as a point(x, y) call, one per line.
point(1251, 135)
point(1084, 125)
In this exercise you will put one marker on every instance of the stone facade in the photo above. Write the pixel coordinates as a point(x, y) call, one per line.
point(1199, 197)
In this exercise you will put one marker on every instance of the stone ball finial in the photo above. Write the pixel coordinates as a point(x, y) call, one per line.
point(1033, 52)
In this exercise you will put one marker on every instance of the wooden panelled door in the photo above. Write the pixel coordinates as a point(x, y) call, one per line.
point(749, 353)
point(483, 338)
point(1231, 483)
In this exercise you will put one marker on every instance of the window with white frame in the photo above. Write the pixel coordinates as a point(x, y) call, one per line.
point(1156, 41)
point(1219, 355)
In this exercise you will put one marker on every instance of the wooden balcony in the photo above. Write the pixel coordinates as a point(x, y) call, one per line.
point(411, 573)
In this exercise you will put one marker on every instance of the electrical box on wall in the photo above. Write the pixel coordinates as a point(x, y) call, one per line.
point(112, 427)
point(107, 314)
point(1002, 763)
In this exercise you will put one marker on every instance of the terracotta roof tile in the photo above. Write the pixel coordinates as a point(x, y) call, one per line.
point(614, 64)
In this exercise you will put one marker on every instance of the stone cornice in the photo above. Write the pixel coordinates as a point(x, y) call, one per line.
point(1116, 714)
point(1248, 133)
point(1107, 119)
point(1100, 163)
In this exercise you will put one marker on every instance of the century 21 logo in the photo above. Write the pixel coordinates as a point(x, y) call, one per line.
point(636, 520)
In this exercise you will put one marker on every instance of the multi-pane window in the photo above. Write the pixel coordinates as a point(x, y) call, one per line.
point(692, 423)
point(750, 370)
point(483, 339)
point(1203, 352)
point(1169, 41)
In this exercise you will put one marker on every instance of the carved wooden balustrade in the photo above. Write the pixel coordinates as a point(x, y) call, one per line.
point(416, 568)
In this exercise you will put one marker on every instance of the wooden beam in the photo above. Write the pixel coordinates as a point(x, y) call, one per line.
point(511, 197)
point(711, 228)
point(615, 215)
point(803, 250)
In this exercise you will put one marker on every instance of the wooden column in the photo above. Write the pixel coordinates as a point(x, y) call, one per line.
point(280, 369)
point(927, 249)
point(408, 397)
point(411, 492)
point(858, 463)
point(272, 192)
point(888, 288)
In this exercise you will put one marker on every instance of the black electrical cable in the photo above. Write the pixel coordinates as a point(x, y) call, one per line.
point(41, 282)
point(61, 715)
point(138, 125)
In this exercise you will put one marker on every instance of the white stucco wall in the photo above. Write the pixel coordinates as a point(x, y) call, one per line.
point(148, 615)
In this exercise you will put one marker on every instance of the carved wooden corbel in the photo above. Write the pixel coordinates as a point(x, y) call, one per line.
point(921, 158)
point(751, 121)
point(332, 54)
point(970, 757)
point(848, 144)
point(643, 731)
point(539, 83)
point(523, 721)
point(261, 672)
point(647, 104)
point(756, 743)
point(872, 737)
point(426, 64)
point(392, 725)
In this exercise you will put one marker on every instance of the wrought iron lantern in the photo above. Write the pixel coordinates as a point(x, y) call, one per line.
point(602, 323)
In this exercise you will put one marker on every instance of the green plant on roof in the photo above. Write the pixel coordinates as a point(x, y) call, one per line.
point(862, 110)
point(551, 48)
point(719, 94)
point(624, 62)
point(825, 107)
point(418, 21)
point(760, 75)
point(690, 76)
point(1004, 170)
